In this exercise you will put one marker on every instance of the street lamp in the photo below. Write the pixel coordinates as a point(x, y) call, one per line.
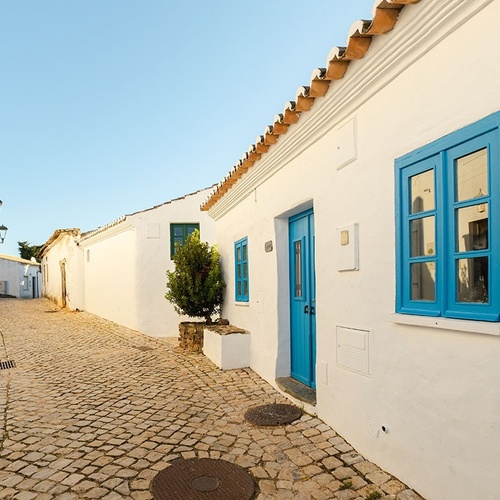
point(3, 229)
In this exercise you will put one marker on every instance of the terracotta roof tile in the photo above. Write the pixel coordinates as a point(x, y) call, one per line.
point(361, 33)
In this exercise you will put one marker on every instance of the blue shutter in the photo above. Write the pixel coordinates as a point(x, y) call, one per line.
point(241, 272)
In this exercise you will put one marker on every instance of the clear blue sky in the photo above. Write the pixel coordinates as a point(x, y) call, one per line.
point(108, 107)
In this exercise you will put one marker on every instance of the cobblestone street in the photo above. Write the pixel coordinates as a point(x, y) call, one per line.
point(94, 410)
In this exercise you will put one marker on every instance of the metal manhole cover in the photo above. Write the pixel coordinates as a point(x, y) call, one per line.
point(203, 479)
point(273, 414)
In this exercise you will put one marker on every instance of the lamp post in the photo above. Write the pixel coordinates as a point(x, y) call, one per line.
point(3, 229)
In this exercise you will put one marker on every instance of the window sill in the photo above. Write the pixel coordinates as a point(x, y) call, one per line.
point(459, 325)
point(242, 304)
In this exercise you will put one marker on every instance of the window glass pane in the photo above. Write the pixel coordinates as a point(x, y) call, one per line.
point(177, 240)
point(191, 229)
point(245, 270)
point(423, 281)
point(298, 268)
point(472, 280)
point(423, 237)
point(238, 293)
point(238, 254)
point(244, 252)
point(238, 272)
point(245, 288)
point(472, 228)
point(178, 231)
point(472, 175)
point(422, 192)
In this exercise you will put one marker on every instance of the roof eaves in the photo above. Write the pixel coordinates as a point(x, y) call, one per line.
point(74, 231)
point(19, 260)
point(171, 201)
point(361, 33)
point(90, 234)
point(102, 229)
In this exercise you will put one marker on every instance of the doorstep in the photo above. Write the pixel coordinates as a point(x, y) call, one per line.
point(297, 390)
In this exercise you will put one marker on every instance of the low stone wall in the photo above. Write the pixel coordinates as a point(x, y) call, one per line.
point(191, 336)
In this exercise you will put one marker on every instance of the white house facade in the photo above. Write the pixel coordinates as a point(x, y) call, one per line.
point(62, 269)
point(19, 278)
point(360, 239)
point(125, 263)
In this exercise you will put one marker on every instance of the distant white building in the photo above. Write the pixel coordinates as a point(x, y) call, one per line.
point(19, 278)
point(62, 268)
point(118, 271)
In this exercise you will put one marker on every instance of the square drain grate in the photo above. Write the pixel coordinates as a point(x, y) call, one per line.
point(5, 365)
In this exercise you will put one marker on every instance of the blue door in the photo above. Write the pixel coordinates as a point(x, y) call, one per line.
point(303, 298)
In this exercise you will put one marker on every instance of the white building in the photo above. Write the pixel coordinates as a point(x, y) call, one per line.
point(125, 263)
point(62, 266)
point(19, 278)
point(360, 238)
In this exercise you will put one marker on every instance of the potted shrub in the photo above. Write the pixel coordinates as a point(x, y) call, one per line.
point(195, 287)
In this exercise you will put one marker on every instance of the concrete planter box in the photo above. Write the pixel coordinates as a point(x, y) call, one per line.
point(227, 346)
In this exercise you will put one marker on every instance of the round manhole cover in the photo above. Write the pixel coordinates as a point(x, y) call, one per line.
point(273, 414)
point(203, 479)
point(205, 483)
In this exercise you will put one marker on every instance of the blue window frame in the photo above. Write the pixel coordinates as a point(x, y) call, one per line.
point(448, 225)
point(179, 234)
point(241, 270)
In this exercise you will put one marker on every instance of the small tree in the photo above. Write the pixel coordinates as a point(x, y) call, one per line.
point(195, 286)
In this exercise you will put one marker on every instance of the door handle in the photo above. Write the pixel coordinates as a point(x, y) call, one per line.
point(306, 309)
point(312, 310)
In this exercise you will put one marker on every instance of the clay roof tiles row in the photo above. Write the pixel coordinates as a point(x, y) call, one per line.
point(385, 16)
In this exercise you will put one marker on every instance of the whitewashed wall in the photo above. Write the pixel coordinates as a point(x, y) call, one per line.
point(64, 248)
point(155, 315)
point(125, 266)
point(433, 389)
point(18, 274)
point(110, 274)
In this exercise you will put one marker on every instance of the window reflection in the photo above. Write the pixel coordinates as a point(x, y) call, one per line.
point(423, 237)
point(423, 281)
point(472, 176)
point(472, 280)
point(472, 228)
point(422, 192)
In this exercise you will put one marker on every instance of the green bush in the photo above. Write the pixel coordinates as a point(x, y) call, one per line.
point(196, 286)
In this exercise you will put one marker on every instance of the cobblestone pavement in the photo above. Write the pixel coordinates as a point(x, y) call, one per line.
point(94, 410)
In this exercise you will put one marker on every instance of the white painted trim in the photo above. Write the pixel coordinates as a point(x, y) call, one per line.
point(121, 227)
point(459, 325)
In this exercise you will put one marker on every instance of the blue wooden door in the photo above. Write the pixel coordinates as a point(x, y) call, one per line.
point(303, 298)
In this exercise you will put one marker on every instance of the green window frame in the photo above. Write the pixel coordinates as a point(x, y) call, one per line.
point(179, 233)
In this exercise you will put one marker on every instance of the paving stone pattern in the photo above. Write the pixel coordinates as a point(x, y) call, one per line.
point(95, 410)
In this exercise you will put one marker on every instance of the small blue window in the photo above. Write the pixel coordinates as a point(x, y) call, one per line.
point(241, 270)
point(448, 225)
